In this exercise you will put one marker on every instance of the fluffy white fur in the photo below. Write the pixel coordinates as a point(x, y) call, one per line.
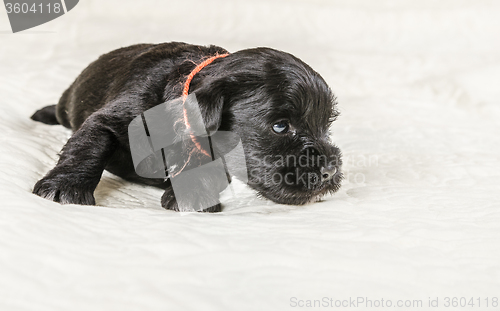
point(418, 215)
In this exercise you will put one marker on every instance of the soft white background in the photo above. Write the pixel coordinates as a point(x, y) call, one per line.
point(418, 84)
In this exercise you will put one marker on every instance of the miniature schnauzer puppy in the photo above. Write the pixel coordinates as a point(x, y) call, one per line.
point(279, 107)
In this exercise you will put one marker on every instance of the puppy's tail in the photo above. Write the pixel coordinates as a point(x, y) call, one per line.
point(46, 115)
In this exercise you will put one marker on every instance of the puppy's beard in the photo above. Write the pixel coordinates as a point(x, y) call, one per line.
point(293, 186)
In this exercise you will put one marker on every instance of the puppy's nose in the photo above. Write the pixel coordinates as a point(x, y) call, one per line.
point(327, 173)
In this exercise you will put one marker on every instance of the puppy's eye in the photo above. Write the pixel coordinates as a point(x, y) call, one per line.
point(281, 127)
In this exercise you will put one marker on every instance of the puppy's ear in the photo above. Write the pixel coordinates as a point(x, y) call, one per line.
point(212, 102)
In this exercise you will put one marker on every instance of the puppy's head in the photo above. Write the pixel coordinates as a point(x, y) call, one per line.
point(282, 110)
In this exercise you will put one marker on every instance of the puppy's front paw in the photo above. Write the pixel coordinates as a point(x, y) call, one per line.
point(168, 201)
point(63, 191)
point(213, 209)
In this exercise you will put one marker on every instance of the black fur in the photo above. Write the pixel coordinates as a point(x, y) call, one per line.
point(245, 92)
point(46, 115)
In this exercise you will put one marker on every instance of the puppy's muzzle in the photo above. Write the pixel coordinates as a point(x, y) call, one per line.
point(323, 161)
point(327, 172)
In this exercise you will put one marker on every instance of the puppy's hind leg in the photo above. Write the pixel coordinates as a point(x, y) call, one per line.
point(80, 166)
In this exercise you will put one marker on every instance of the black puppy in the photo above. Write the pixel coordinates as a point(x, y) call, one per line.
point(280, 108)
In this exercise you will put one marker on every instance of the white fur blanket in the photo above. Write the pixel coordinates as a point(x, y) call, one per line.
point(417, 218)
